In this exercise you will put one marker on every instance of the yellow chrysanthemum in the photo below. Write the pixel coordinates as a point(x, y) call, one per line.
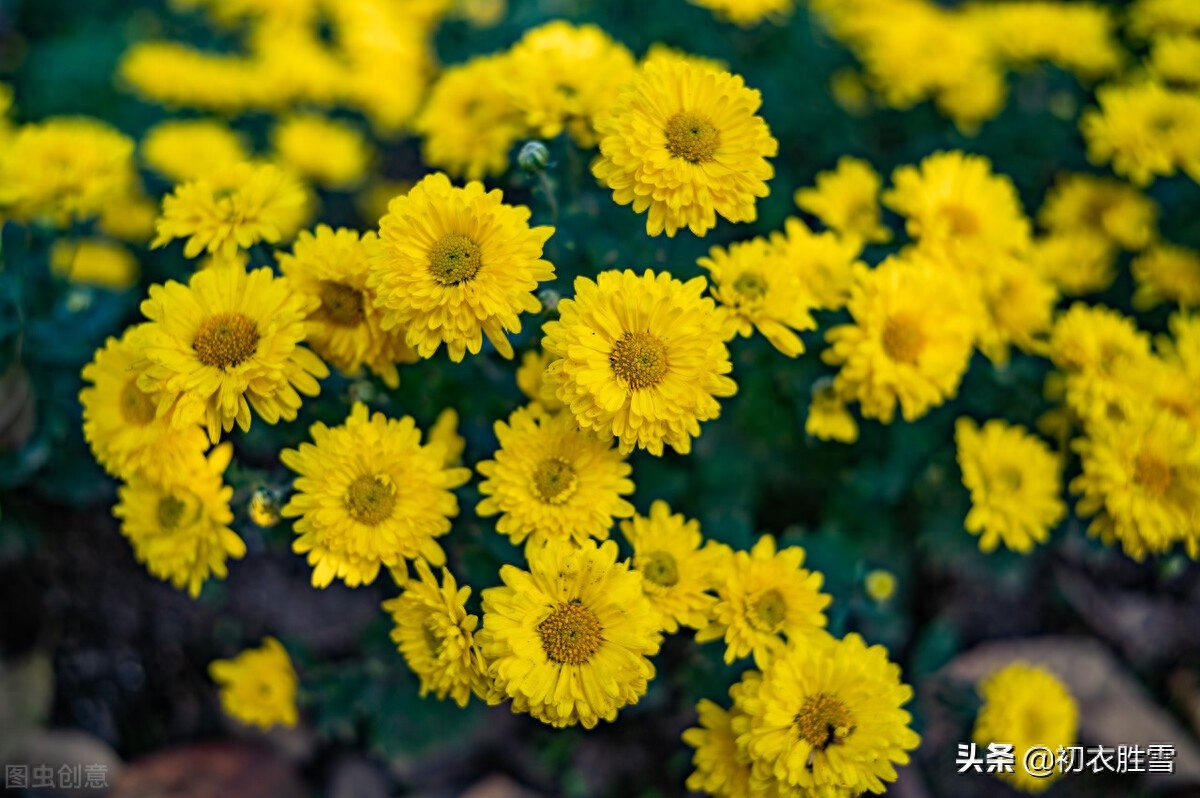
point(259, 685)
point(1078, 37)
point(825, 720)
point(130, 218)
point(828, 417)
point(568, 640)
point(658, 50)
point(457, 264)
point(180, 76)
point(764, 596)
point(757, 287)
point(183, 150)
point(748, 12)
point(955, 201)
point(1166, 273)
point(721, 770)
point(225, 342)
point(121, 423)
point(684, 142)
point(828, 263)
point(1145, 130)
point(329, 152)
point(533, 382)
point(1141, 481)
point(1077, 262)
point(94, 261)
point(846, 199)
point(880, 585)
point(1100, 205)
point(64, 169)
point(469, 124)
point(1094, 346)
point(368, 494)
point(345, 327)
point(1026, 706)
point(550, 480)
point(180, 528)
point(437, 637)
point(1176, 59)
point(1149, 17)
point(233, 209)
point(1019, 302)
point(445, 432)
point(641, 359)
point(676, 571)
point(561, 76)
point(910, 342)
point(1015, 483)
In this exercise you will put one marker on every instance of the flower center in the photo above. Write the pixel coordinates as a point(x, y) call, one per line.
point(769, 611)
point(571, 635)
point(640, 360)
point(341, 303)
point(1153, 473)
point(661, 569)
point(1009, 479)
point(136, 405)
point(432, 640)
point(750, 284)
point(370, 500)
point(902, 338)
point(454, 259)
point(226, 339)
point(554, 480)
point(823, 720)
point(692, 137)
point(170, 512)
point(963, 221)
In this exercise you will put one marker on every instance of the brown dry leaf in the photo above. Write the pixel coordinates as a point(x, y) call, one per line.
point(1114, 709)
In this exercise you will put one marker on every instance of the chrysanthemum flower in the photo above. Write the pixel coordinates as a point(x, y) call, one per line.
point(1015, 483)
point(684, 143)
point(846, 199)
point(827, 262)
point(179, 528)
point(721, 770)
point(233, 209)
point(64, 169)
point(1141, 481)
point(758, 287)
point(764, 596)
point(1078, 262)
point(568, 640)
point(1027, 706)
point(910, 342)
point(748, 12)
point(1077, 37)
point(94, 261)
point(1094, 346)
point(190, 149)
point(533, 382)
point(1019, 302)
point(129, 218)
point(436, 635)
point(225, 342)
point(828, 417)
point(445, 432)
point(550, 480)
point(469, 124)
point(120, 420)
point(1150, 17)
point(955, 201)
point(368, 494)
point(259, 685)
point(825, 719)
point(1176, 59)
point(640, 358)
point(345, 326)
point(1145, 129)
point(329, 152)
point(1167, 273)
point(457, 264)
point(676, 571)
point(1111, 208)
point(561, 77)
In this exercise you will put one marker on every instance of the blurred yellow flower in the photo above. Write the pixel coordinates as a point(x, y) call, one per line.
point(183, 150)
point(721, 769)
point(1102, 206)
point(1166, 273)
point(1176, 59)
point(94, 261)
point(445, 432)
point(748, 12)
point(880, 585)
point(533, 380)
point(1079, 37)
point(827, 263)
point(1077, 262)
point(258, 686)
point(1148, 17)
point(1145, 130)
point(1019, 301)
point(828, 417)
point(846, 200)
point(331, 153)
